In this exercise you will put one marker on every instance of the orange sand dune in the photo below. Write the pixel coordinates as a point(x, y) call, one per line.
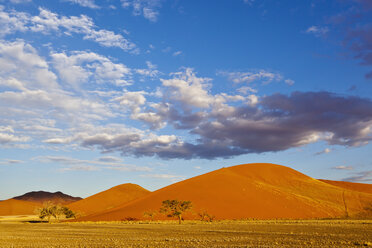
point(17, 207)
point(361, 187)
point(263, 191)
point(109, 199)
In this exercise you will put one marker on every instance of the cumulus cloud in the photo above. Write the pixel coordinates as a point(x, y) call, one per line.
point(48, 22)
point(8, 136)
point(147, 8)
point(32, 100)
point(222, 129)
point(185, 87)
point(200, 123)
point(132, 100)
point(150, 72)
point(81, 66)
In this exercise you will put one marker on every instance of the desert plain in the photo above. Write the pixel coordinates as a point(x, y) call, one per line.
point(249, 233)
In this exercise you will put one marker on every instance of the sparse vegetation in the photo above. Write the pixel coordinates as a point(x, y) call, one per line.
point(175, 208)
point(130, 219)
point(205, 216)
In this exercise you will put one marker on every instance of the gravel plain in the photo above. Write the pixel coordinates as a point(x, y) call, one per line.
point(252, 233)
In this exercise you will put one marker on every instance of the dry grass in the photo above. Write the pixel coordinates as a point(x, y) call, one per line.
point(280, 233)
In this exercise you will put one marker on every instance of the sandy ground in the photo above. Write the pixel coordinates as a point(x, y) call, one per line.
point(311, 233)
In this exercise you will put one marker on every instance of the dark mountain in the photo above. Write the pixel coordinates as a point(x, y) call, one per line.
point(43, 196)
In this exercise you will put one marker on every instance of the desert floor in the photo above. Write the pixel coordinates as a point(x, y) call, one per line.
point(280, 233)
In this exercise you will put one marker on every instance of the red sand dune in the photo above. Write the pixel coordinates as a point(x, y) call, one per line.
point(43, 196)
point(361, 187)
point(263, 191)
point(18, 207)
point(109, 199)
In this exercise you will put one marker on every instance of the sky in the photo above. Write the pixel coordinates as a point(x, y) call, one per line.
point(98, 93)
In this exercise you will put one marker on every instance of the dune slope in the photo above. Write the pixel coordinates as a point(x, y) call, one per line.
point(17, 207)
point(264, 191)
point(108, 199)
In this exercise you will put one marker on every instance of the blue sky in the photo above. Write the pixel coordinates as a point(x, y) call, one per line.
point(98, 93)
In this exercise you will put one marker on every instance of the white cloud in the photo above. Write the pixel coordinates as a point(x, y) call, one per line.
point(85, 3)
point(185, 87)
point(246, 89)
point(81, 66)
point(48, 22)
point(325, 151)
point(177, 53)
point(10, 161)
point(147, 8)
point(6, 138)
point(149, 72)
point(20, 1)
point(80, 168)
point(102, 163)
point(20, 62)
point(32, 101)
point(172, 178)
point(252, 76)
point(317, 30)
point(290, 82)
point(343, 167)
point(133, 100)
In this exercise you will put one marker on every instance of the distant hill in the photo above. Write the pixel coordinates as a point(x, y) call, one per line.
point(361, 187)
point(260, 191)
point(43, 196)
point(18, 207)
point(109, 199)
